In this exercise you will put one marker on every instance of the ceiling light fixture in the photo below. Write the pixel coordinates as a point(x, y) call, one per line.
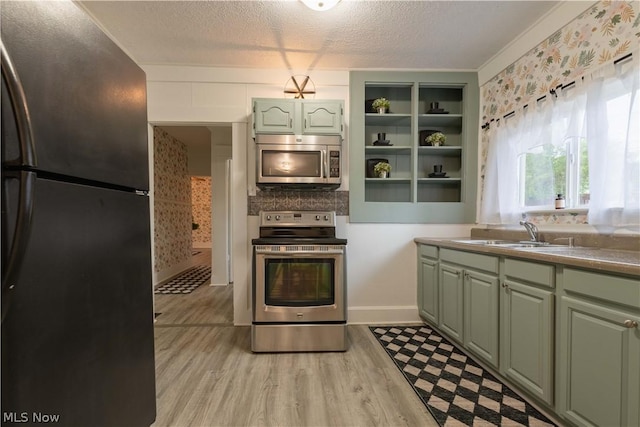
point(320, 5)
point(298, 90)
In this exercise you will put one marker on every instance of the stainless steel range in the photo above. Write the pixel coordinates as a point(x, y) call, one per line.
point(299, 283)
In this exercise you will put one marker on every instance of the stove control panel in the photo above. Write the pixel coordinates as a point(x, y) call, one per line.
point(298, 218)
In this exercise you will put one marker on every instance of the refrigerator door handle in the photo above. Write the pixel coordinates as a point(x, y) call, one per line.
point(21, 111)
point(21, 234)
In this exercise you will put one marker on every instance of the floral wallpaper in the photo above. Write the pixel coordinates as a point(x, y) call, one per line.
point(606, 31)
point(603, 33)
point(172, 202)
point(201, 210)
point(560, 217)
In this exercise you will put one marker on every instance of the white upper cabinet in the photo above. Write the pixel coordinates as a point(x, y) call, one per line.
point(297, 116)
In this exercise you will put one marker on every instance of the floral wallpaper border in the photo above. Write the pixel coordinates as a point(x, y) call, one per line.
point(606, 31)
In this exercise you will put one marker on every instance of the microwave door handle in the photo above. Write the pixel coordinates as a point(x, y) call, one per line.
point(325, 167)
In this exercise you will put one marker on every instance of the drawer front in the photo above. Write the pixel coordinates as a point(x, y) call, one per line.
point(621, 290)
point(470, 260)
point(428, 251)
point(541, 274)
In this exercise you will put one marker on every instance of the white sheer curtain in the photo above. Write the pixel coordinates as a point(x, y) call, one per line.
point(604, 110)
point(548, 122)
point(612, 115)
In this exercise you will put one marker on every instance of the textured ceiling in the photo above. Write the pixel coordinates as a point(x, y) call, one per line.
point(286, 34)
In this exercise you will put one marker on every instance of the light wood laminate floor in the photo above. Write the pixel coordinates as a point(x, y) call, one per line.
point(206, 374)
point(207, 305)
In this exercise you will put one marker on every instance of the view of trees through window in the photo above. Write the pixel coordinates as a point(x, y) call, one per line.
point(548, 170)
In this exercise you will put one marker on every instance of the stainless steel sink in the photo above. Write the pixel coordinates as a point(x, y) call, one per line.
point(487, 242)
point(557, 248)
point(511, 244)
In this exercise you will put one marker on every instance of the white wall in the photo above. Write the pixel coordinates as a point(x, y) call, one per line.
point(198, 95)
point(221, 138)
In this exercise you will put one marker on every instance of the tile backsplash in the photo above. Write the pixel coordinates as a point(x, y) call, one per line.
point(298, 200)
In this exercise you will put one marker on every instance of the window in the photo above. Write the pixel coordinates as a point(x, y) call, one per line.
point(583, 143)
point(548, 170)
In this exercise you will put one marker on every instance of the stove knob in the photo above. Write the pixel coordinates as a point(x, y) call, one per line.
point(317, 217)
point(326, 217)
point(268, 217)
point(277, 217)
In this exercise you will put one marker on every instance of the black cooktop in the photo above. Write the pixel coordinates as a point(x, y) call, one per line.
point(299, 241)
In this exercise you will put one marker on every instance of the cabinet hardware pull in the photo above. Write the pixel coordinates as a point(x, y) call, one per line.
point(630, 324)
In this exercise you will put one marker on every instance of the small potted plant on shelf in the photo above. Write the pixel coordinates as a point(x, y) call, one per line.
point(381, 104)
point(436, 139)
point(382, 169)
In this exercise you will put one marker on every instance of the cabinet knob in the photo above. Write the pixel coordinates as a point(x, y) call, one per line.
point(630, 324)
point(504, 285)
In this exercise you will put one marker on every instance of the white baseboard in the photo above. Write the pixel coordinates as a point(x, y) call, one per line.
point(383, 315)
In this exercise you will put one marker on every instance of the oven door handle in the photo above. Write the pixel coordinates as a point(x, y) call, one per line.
point(302, 253)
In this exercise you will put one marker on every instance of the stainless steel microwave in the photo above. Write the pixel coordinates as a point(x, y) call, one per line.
point(312, 162)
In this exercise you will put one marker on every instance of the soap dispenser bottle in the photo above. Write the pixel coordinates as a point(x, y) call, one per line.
point(560, 202)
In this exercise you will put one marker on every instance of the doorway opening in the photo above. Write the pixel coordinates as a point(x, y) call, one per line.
point(191, 225)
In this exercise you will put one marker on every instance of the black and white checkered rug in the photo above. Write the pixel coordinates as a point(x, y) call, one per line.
point(186, 282)
point(455, 389)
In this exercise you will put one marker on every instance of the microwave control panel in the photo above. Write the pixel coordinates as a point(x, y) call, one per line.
point(334, 164)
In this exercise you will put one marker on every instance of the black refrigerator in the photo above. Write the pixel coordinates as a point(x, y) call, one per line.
point(77, 300)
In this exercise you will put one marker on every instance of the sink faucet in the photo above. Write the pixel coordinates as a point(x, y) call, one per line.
point(531, 229)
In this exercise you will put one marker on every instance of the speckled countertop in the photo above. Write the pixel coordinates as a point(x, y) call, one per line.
point(594, 258)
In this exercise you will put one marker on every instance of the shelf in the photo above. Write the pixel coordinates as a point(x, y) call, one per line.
point(390, 119)
point(441, 151)
point(449, 180)
point(388, 180)
point(409, 195)
point(440, 120)
point(394, 149)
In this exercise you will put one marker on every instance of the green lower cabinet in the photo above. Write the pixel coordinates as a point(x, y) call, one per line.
point(481, 319)
point(428, 289)
point(450, 299)
point(599, 364)
point(527, 350)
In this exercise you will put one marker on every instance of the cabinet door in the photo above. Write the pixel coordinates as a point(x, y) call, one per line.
point(274, 116)
point(450, 300)
point(527, 338)
point(428, 289)
point(481, 315)
point(321, 118)
point(599, 372)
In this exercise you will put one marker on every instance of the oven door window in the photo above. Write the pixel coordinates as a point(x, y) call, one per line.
point(294, 164)
point(295, 282)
